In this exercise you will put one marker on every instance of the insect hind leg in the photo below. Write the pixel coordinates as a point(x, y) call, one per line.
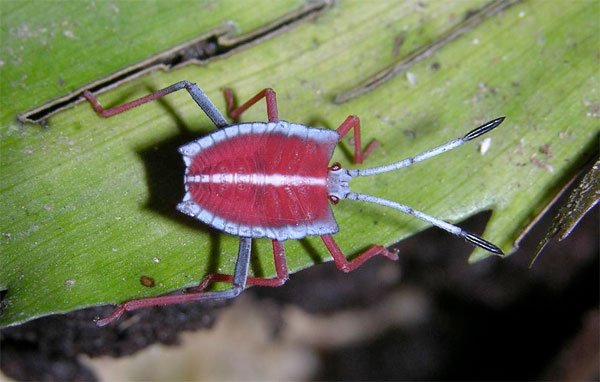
point(197, 94)
point(282, 274)
point(239, 283)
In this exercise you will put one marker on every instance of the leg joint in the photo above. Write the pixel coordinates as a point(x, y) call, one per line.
point(235, 291)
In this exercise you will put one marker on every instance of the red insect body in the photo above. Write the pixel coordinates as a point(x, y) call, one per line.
point(261, 180)
point(272, 179)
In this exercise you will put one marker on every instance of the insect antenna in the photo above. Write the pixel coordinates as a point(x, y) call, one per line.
point(486, 127)
point(471, 238)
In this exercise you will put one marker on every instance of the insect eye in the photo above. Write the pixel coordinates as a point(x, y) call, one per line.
point(334, 199)
point(335, 167)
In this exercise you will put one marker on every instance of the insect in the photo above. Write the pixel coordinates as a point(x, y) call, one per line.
point(273, 180)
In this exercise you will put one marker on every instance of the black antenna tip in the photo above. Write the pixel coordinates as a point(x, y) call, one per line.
point(483, 129)
point(474, 239)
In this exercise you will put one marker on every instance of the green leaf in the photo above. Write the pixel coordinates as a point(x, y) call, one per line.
point(88, 203)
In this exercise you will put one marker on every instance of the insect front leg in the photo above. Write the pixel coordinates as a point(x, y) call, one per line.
point(348, 266)
point(352, 122)
point(268, 94)
point(238, 280)
point(197, 94)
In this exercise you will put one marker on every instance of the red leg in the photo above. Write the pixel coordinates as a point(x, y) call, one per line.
point(238, 280)
point(197, 94)
point(269, 95)
point(157, 301)
point(348, 266)
point(280, 268)
point(353, 122)
point(130, 105)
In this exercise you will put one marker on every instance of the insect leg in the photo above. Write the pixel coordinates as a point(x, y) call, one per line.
point(239, 283)
point(353, 122)
point(348, 266)
point(280, 268)
point(269, 94)
point(197, 94)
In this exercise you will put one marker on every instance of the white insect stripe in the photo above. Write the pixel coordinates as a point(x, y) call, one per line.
point(277, 180)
